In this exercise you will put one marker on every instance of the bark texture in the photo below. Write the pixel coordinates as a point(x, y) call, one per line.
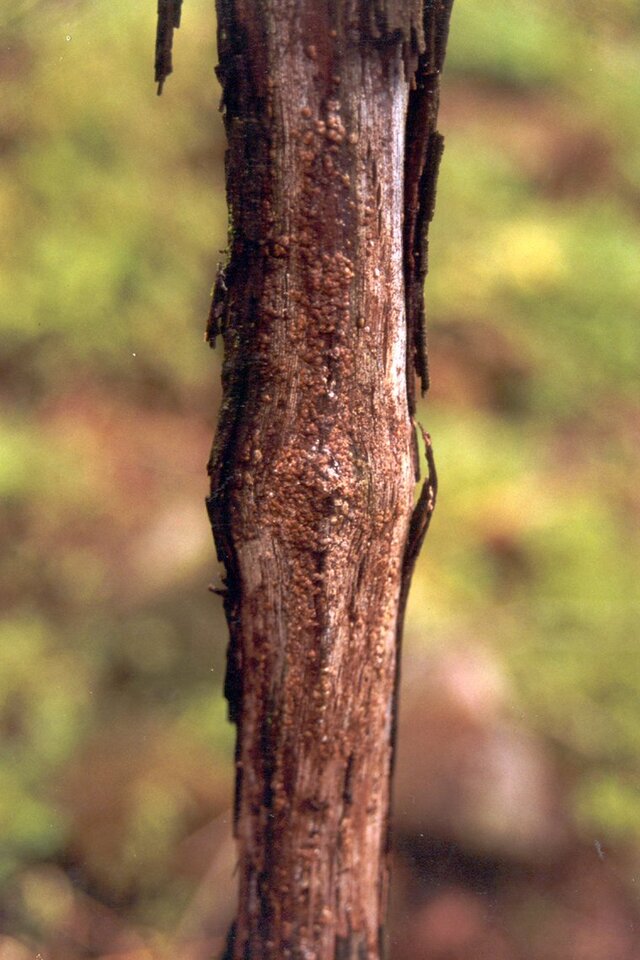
point(330, 110)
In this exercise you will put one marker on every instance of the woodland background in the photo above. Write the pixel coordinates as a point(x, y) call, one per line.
point(518, 795)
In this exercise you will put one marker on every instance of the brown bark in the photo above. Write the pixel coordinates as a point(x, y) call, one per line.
point(315, 460)
point(168, 21)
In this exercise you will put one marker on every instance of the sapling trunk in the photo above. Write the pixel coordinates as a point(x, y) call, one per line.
point(330, 109)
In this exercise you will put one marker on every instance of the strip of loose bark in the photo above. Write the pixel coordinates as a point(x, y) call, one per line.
point(168, 21)
point(330, 109)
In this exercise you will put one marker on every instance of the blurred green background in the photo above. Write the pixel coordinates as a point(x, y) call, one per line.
point(114, 773)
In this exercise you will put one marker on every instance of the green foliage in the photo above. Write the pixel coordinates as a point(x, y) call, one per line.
point(109, 198)
point(534, 550)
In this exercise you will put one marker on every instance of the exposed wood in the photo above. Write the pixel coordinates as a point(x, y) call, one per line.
point(314, 464)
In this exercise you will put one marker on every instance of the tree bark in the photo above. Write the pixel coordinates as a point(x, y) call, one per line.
point(330, 109)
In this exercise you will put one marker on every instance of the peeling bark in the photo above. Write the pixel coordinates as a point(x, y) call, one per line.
point(168, 21)
point(330, 109)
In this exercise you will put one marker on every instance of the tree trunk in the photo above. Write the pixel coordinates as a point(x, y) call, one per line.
point(314, 464)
